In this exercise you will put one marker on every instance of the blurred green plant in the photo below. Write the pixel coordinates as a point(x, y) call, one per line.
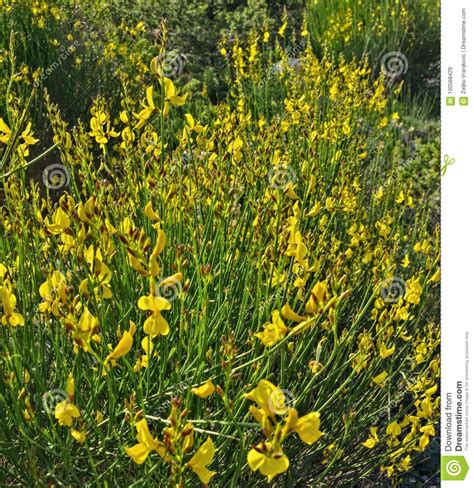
point(375, 28)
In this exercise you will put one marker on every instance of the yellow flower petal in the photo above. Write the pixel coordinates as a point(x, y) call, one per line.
point(78, 435)
point(384, 352)
point(288, 313)
point(122, 348)
point(138, 453)
point(268, 466)
point(307, 427)
point(380, 378)
point(393, 429)
point(205, 390)
point(261, 395)
point(203, 456)
point(150, 213)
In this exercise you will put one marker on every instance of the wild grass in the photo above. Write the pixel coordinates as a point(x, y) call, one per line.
point(308, 198)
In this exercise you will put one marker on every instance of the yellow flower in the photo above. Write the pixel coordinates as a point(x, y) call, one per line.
point(203, 456)
point(290, 192)
point(78, 435)
point(235, 148)
point(289, 314)
point(86, 211)
point(393, 429)
point(205, 390)
point(436, 278)
point(5, 132)
point(8, 300)
point(147, 110)
point(156, 323)
point(54, 292)
point(380, 378)
point(171, 280)
point(100, 126)
point(405, 464)
point(315, 366)
point(384, 352)
point(273, 331)
point(270, 464)
point(28, 140)
point(427, 431)
point(144, 359)
point(426, 408)
point(372, 439)
point(307, 427)
point(191, 124)
point(414, 291)
point(263, 395)
point(170, 92)
point(70, 388)
point(60, 223)
point(96, 128)
point(281, 31)
point(160, 243)
point(100, 275)
point(124, 345)
point(65, 412)
point(314, 210)
point(146, 444)
point(86, 330)
point(150, 213)
point(423, 247)
point(317, 298)
point(137, 265)
point(262, 418)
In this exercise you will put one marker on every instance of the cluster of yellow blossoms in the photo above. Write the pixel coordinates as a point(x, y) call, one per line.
point(268, 456)
point(257, 238)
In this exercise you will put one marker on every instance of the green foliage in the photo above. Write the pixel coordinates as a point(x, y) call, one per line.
point(374, 28)
point(357, 205)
